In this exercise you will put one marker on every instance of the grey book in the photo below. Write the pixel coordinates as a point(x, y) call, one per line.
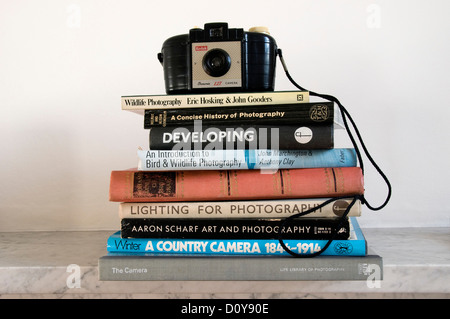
point(141, 267)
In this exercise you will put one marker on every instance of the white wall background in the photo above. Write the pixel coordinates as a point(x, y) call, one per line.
point(65, 64)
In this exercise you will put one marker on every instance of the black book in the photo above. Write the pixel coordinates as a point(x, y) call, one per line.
point(299, 113)
point(203, 228)
point(283, 137)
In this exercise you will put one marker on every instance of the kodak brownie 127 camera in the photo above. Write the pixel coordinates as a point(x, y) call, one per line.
point(219, 59)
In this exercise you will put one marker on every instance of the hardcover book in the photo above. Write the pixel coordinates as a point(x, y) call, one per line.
point(211, 185)
point(145, 102)
point(299, 113)
point(236, 228)
point(118, 267)
point(239, 209)
point(169, 160)
point(278, 137)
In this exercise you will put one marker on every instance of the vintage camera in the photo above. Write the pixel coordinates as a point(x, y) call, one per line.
point(219, 59)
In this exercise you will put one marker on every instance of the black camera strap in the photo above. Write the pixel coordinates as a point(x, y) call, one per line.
point(345, 115)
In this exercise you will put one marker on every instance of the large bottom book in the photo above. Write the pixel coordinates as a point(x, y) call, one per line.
point(134, 267)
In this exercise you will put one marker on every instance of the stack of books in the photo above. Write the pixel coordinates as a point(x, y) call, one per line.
point(209, 196)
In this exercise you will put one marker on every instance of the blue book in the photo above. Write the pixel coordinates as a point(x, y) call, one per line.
point(354, 246)
point(160, 160)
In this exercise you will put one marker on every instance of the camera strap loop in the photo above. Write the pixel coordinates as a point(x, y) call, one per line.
point(345, 115)
point(334, 232)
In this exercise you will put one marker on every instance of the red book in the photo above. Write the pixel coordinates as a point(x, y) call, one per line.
point(145, 186)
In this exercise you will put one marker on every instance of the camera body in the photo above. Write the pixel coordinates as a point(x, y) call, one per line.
point(219, 59)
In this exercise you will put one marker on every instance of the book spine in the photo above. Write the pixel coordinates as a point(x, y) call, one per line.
point(169, 160)
point(239, 209)
point(204, 228)
point(212, 185)
point(117, 266)
point(299, 113)
point(238, 247)
point(283, 137)
point(144, 102)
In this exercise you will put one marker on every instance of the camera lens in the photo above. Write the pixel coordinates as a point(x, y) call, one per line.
point(216, 62)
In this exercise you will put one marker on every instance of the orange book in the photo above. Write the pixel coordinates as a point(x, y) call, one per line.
point(145, 186)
